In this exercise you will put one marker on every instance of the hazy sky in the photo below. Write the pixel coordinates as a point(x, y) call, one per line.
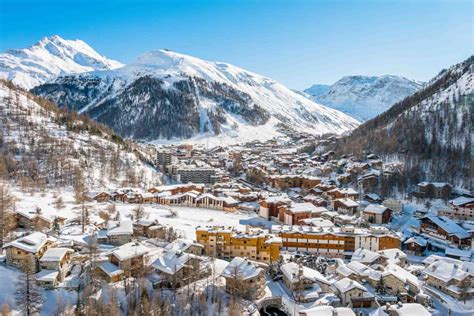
point(296, 42)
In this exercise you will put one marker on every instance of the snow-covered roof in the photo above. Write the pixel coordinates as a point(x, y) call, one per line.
point(348, 202)
point(318, 222)
point(305, 207)
point(375, 209)
point(417, 240)
point(31, 243)
point(94, 194)
point(343, 270)
point(402, 274)
point(278, 198)
point(228, 199)
point(359, 268)
point(172, 261)
point(466, 265)
point(364, 255)
point(393, 255)
point(110, 269)
point(47, 275)
point(346, 284)
point(291, 272)
point(129, 250)
point(349, 191)
point(436, 184)
point(225, 199)
point(456, 252)
point(447, 271)
point(181, 245)
point(55, 254)
point(327, 311)
point(124, 227)
point(449, 226)
point(462, 200)
point(146, 222)
point(409, 309)
point(241, 268)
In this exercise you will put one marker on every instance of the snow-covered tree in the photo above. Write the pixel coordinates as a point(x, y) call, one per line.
point(28, 296)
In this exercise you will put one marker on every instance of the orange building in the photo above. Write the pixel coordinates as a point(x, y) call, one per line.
point(225, 242)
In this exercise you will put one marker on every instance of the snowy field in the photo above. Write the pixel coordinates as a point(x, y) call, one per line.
point(186, 220)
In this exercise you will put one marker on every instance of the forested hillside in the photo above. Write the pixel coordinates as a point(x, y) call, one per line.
point(44, 146)
point(430, 131)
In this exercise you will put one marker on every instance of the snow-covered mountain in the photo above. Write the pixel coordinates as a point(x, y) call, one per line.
point(164, 95)
point(364, 97)
point(430, 131)
point(50, 57)
point(41, 145)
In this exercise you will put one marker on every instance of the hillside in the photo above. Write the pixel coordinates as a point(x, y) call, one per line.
point(50, 57)
point(363, 97)
point(431, 131)
point(165, 96)
point(42, 146)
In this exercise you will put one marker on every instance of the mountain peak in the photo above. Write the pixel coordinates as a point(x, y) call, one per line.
point(50, 57)
point(364, 97)
point(200, 98)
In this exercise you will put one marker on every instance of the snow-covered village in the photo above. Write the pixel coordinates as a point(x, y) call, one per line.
point(171, 184)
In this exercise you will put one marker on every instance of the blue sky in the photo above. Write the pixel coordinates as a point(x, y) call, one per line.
point(296, 42)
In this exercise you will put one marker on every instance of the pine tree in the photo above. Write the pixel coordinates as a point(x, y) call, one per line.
point(138, 212)
point(59, 203)
point(28, 296)
point(7, 217)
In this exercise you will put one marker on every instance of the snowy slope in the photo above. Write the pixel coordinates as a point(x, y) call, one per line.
point(165, 95)
point(430, 131)
point(364, 97)
point(41, 143)
point(50, 57)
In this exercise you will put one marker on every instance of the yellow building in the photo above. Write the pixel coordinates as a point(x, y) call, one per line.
point(225, 242)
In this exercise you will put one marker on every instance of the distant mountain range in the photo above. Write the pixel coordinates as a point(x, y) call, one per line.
point(49, 58)
point(363, 97)
point(430, 131)
point(165, 96)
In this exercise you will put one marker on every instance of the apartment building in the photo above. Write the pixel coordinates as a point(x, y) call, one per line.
point(335, 242)
point(225, 242)
point(269, 207)
point(461, 208)
point(187, 174)
point(163, 158)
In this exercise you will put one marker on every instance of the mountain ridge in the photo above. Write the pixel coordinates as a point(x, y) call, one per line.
point(49, 58)
point(364, 97)
point(204, 99)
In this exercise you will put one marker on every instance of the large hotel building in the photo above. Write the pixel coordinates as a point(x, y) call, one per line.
point(334, 242)
point(225, 242)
